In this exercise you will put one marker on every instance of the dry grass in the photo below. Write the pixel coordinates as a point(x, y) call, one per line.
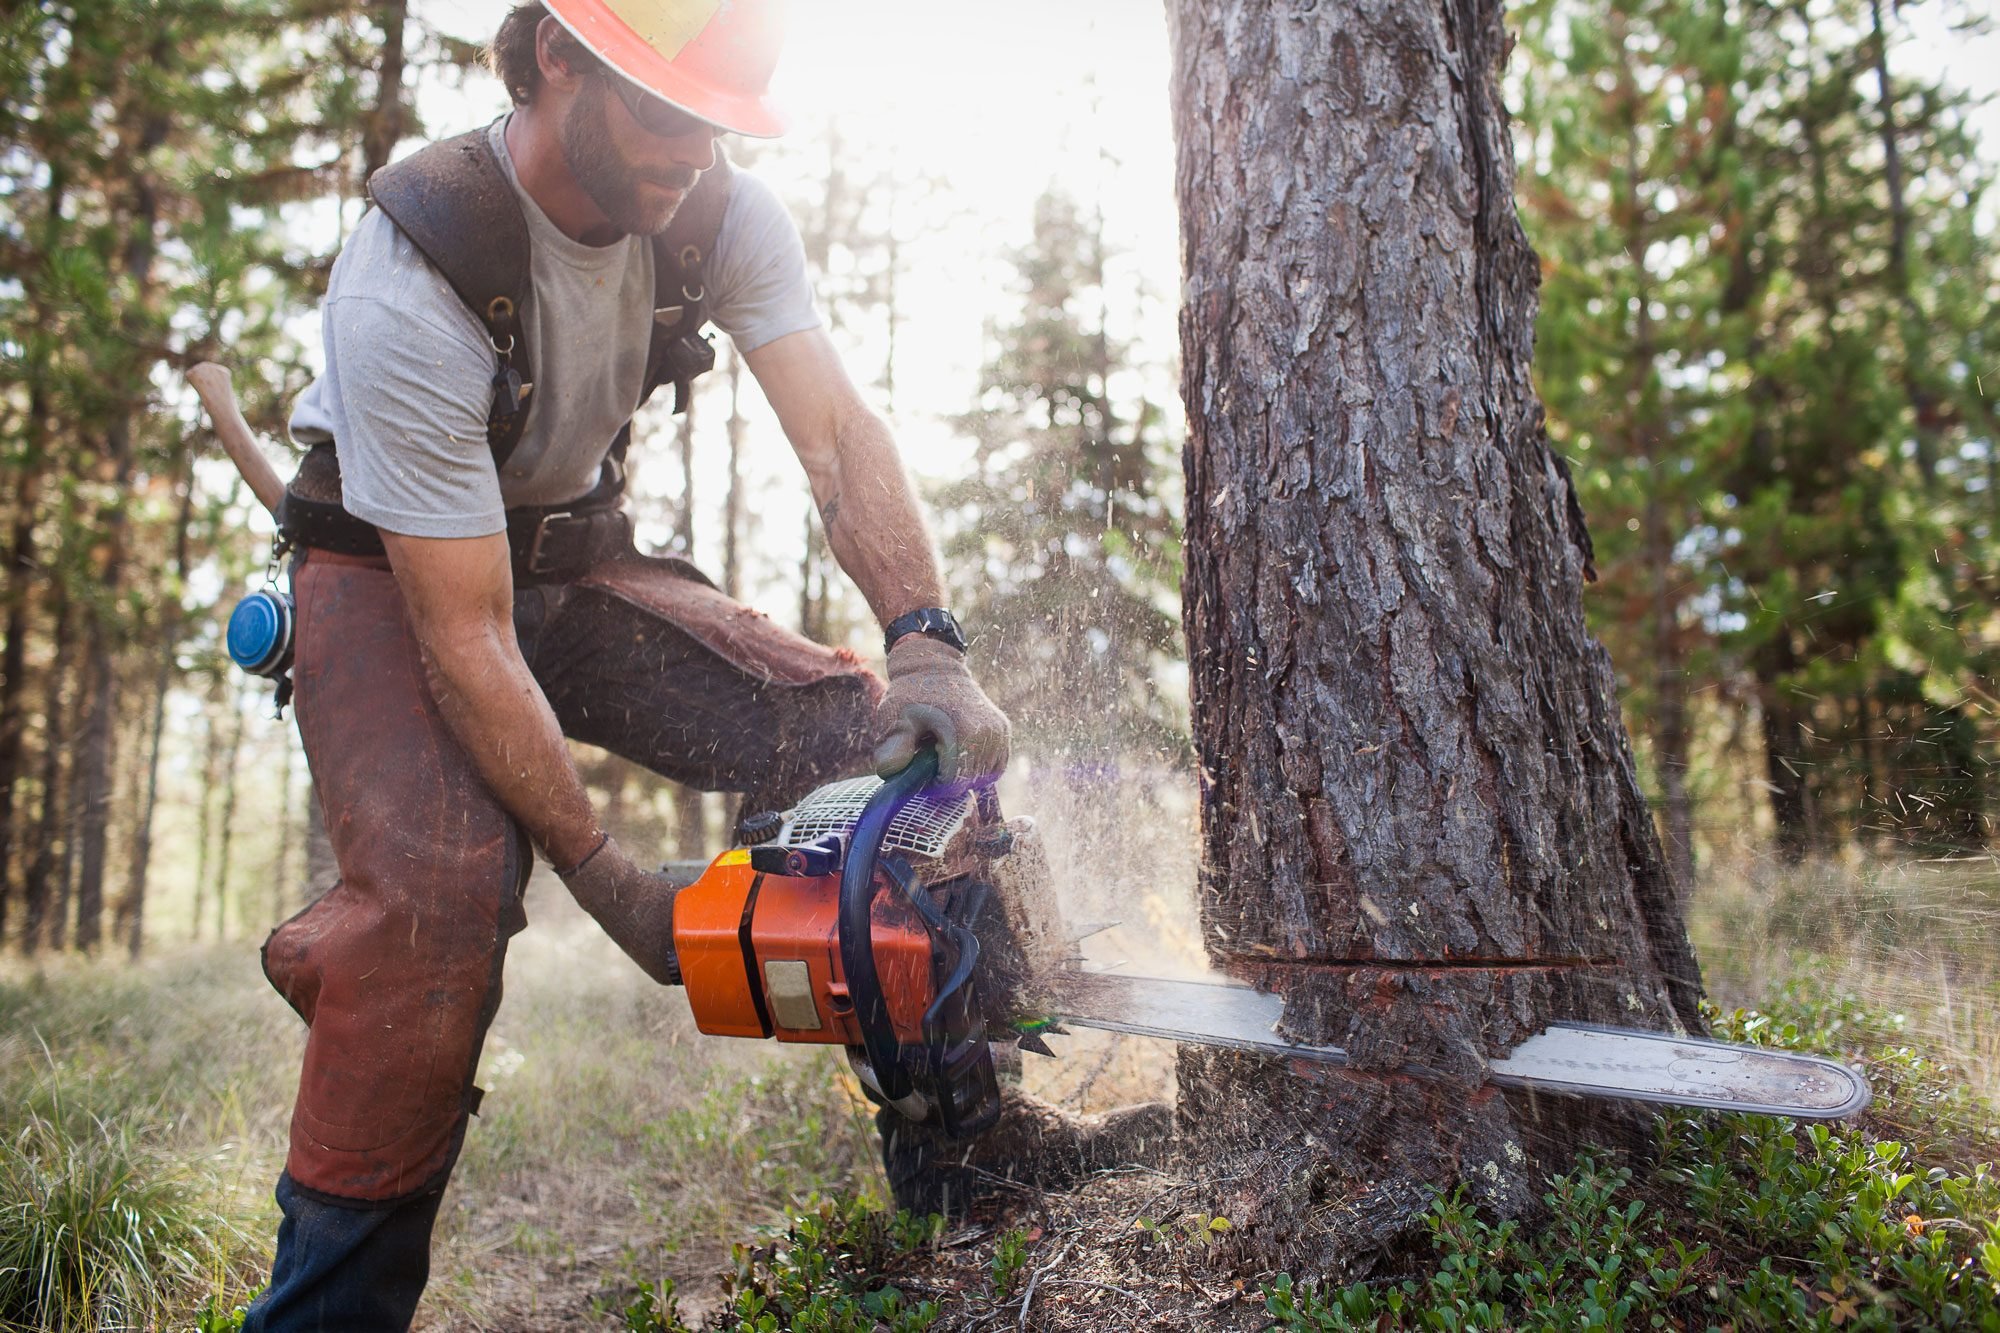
point(617, 1145)
point(1915, 938)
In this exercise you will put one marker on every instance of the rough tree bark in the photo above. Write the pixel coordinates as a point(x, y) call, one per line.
point(132, 925)
point(44, 881)
point(1420, 817)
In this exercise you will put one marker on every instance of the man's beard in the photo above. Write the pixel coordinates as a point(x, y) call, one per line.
point(611, 182)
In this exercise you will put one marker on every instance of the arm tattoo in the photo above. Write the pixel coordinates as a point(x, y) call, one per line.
point(830, 511)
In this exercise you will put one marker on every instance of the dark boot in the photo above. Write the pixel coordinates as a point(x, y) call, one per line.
point(1034, 1147)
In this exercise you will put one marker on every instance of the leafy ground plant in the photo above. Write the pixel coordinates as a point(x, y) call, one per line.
point(826, 1274)
point(1741, 1222)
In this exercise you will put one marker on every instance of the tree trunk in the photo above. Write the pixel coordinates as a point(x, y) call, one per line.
point(1648, 431)
point(96, 772)
point(1785, 761)
point(281, 870)
point(1420, 817)
point(732, 506)
point(231, 765)
point(1915, 327)
point(45, 895)
point(134, 909)
point(690, 824)
point(811, 590)
point(1670, 728)
point(322, 871)
point(384, 128)
point(21, 575)
point(684, 446)
point(23, 571)
point(98, 757)
point(211, 769)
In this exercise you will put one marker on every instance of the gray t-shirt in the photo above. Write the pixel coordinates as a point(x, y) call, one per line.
point(409, 369)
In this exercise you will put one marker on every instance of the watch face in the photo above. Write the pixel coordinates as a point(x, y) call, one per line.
point(943, 625)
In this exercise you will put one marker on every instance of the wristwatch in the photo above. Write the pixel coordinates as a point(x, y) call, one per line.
point(933, 622)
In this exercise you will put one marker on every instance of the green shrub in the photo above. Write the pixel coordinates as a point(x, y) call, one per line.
point(97, 1231)
point(1744, 1222)
point(654, 1309)
point(825, 1274)
point(1010, 1256)
point(1600, 1264)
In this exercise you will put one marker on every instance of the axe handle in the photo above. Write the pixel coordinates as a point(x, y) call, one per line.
point(211, 385)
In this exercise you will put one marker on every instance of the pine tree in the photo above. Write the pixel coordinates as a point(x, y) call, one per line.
point(1620, 183)
point(1421, 821)
point(1733, 198)
point(1062, 543)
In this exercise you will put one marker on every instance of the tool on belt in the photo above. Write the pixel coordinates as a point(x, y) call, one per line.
point(259, 636)
point(919, 929)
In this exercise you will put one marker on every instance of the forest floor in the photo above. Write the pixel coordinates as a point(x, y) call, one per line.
point(616, 1147)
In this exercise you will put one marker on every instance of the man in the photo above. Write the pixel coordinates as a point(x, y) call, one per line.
point(467, 594)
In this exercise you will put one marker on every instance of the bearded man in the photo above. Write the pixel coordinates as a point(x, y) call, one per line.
point(468, 593)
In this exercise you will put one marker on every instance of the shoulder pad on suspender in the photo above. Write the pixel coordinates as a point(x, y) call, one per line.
point(453, 200)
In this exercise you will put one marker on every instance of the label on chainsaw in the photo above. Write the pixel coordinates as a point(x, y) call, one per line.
point(1583, 1060)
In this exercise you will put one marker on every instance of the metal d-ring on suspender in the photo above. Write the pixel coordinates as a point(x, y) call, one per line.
point(689, 353)
point(510, 394)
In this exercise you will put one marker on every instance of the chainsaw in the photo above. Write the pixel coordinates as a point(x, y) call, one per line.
point(917, 928)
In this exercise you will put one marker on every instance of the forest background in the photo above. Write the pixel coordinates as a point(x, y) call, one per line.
point(1768, 348)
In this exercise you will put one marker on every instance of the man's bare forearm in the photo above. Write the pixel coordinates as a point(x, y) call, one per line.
point(498, 713)
point(459, 593)
point(873, 524)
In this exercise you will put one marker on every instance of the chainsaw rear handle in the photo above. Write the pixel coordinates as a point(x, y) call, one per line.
point(857, 894)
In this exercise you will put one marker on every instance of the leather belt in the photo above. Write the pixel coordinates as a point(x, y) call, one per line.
point(554, 546)
point(545, 545)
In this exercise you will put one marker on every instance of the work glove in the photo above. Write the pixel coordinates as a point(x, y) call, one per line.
point(932, 696)
point(635, 907)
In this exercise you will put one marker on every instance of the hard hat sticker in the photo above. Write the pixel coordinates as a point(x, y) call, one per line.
point(665, 25)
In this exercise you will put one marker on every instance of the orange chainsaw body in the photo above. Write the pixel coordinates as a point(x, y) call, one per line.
point(760, 956)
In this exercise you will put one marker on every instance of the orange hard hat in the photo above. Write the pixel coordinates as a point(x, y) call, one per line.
point(710, 58)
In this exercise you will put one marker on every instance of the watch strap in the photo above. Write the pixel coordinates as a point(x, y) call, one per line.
point(933, 622)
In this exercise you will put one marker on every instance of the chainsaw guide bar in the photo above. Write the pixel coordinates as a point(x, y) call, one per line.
point(1574, 1059)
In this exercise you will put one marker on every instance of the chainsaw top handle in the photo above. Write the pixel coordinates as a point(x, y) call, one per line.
point(857, 946)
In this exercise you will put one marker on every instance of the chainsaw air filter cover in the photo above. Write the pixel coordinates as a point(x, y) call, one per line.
point(923, 829)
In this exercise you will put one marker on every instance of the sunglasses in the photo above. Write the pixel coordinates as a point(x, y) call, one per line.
point(657, 117)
